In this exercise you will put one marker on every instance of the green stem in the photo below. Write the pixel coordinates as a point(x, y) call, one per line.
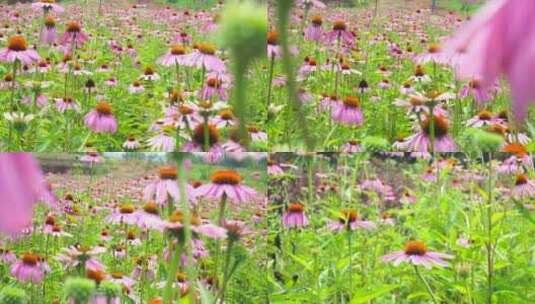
point(226, 270)
point(429, 290)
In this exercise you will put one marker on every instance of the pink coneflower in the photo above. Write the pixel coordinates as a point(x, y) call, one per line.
point(524, 187)
point(226, 183)
point(136, 87)
point(408, 197)
point(66, 103)
point(519, 162)
point(17, 50)
point(7, 257)
point(474, 89)
point(48, 6)
point(176, 55)
point(340, 33)
point(123, 214)
point(48, 35)
point(415, 104)
point(434, 54)
point(295, 216)
point(149, 74)
point(204, 57)
point(416, 253)
point(197, 143)
point(314, 32)
point(273, 169)
point(122, 280)
point(30, 268)
point(421, 141)
point(131, 143)
point(148, 217)
point(256, 135)
point(273, 48)
point(483, 118)
point(348, 112)
point(307, 4)
point(73, 256)
point(91, 158)
point(21, 185)
point(164, 187)
point(57, 231)
point(175, 223)
point(162, 142)
point(73, 35)
point(488, 49)
point(352, 146)
point(101, 119)
point(214, 88)
point(349, 220)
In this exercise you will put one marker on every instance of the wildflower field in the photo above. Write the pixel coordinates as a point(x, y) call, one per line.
point(360, 228)
point(119, 221)
point(267, 151)
point(125, 76)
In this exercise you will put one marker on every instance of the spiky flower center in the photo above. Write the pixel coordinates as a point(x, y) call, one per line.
point(434, 48)
point(339, 25)
point(348, 216)
point(517, 149)
point(178, 218)
point(151, 208)
point(440, 125)
point(415, 248)
point(103, 108)
point(226, 114)
point(273, 38)
point(416, 101)
point(474, 84)
point(206, 48)
point(73, 27)
point(185, 110)
point(17, 44)
point(50, 22)
point(198, 134)
point(167, 172)
point(30, 259)
point(127, 209)
point(226, 177)
point(96, 275)
point(521, 179)
point(352, 101)
point(485, 115)
point(296, 208)
point(317, 20)
point(419, 71)
point(50, 220)
point(177, 49)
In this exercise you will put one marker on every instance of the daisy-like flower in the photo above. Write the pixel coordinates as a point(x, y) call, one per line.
point(524, 187)
point(349, 220)
point(57, 231)
point(17, 50)
point(215, 151)
point(165, 187)
point(131, 143)
point(416, 253)
point(483, 118)
point(91, 158)
point(204, 57)
point(148, 216)
point(66, 103)
point(214, 88)
point(19, 119)
point(434, 54)
point(175, 225)
point(101, 119)
point(352, 146)
point(73, 35)
point(149, 74)
point(48, 6)
point(421, 141)
point(474, 88)
point(30, 268)
point(175, 55)
point(315, 32)
point(273, 168)
point(348, 112)
point(7, 257)
point(295, 216)
point(420, 75)
point(48, 35)
point(228, 184)
point(273, 48)
point(123, 214)
point(162, 141)
point(225, 118)
point(73, 256)
point(257, 135)
point(519, 162)
point(340, 33)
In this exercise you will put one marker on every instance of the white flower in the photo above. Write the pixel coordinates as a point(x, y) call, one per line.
point(19, 117)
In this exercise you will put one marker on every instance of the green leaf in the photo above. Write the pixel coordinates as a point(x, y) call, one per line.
point(368, 295)
point(207, 297)
point(301, 262)
point(523, 211)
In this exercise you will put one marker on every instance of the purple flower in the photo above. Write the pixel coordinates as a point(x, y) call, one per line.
point(17, 49)
point(30, 268)
point(314, 32)
point(100, 119)
point(73, 35)
point(226, 183)
point(524, 187)
point(165, 187)
point(295, 216)
point(349, 220)
point(421, 141)
point(348, 112)
point(176, 55)
point(416, 253)
point(204, 57)
point(339, 33)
